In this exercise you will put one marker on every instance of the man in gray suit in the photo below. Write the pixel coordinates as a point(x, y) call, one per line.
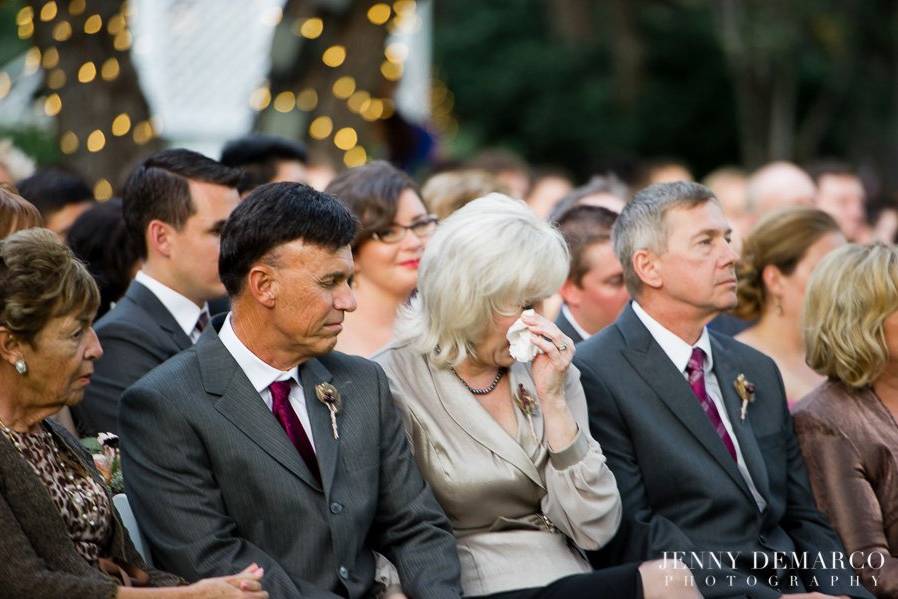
point(694, 424)
point(175, 204)
point(260, 444)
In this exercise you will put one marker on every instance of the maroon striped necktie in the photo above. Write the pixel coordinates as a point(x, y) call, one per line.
point(696, 372)
point(283, 411)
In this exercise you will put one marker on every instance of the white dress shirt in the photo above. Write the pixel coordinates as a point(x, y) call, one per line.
point(185, 312)
point(576, 325)
point(261, 375)
point(679, 353)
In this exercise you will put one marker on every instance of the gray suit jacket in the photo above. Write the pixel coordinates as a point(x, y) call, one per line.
point(680, 488)
point(216, 484)
point(137, 335)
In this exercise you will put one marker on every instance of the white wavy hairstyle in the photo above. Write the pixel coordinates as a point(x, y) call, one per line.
point(489, 258)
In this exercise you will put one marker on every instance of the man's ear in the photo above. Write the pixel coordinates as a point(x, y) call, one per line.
point(648, 268)
point(262, 284)
point(571, 293)
point(10, 346)
point(159, 237)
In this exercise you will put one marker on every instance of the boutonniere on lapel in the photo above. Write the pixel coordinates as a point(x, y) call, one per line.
point(746, 391)
point(330, 397)
point(527, 405)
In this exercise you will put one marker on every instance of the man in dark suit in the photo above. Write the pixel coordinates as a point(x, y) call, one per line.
point(260, 444)
point(694, 424)
point(175, 204)
point(594, 292)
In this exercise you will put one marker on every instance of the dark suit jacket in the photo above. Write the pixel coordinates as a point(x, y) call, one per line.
point(216, 484)
point(39, 558)
point(567, 328)
point(680, 488)
point(137, 335)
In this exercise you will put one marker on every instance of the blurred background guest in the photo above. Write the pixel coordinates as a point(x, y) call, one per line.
point(661, 170)
point(60, 195)
point(778, 185)
point(15, 165)
point(505, 165)
point(16, 213)
point(99, 238)
point(778, 257)
point(264, 159)
point(593, 292)
point(547, 187)
point(395, 227)
point(505, 445)
point(730, 186)
point(444, 193)
point(846, 426)
point(605, 190)
point(60, 535)
point(841, 194)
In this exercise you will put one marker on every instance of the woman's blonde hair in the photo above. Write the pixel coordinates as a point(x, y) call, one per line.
point(849, 296)
point(780, 239)
point(488, 258)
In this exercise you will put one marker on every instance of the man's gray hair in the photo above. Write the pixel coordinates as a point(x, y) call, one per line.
point(641, 224)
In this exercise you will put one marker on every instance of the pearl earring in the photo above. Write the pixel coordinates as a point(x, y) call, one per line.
point(21, 366)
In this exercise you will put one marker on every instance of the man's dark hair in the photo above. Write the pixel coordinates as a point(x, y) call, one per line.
point(52, 189)
point(372, 193)
point(158, 189)
point(258, 155)
point(830, 167)
point(275, 214)
point(581, 227)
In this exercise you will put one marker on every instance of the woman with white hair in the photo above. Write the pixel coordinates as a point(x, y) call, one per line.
point(505, 445)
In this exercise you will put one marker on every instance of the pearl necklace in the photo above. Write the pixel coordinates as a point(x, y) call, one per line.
point(482, 390)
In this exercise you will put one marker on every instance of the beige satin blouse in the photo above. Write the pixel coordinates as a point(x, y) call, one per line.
point(520, 512)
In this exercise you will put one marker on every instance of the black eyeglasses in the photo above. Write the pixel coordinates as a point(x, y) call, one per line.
point(423, 229)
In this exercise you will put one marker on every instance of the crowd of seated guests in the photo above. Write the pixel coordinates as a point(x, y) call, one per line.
point(608, 443)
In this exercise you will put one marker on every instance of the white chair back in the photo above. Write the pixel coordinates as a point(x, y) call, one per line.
point(130, 522)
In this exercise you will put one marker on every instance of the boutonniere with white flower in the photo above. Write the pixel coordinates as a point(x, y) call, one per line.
point(746, 391)
point(328, 395)
point(105, 452)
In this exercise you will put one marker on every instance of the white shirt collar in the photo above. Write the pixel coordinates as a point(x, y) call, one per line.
point(259, 373)
point(676, 349)
point(184, 311)
point(576, 325)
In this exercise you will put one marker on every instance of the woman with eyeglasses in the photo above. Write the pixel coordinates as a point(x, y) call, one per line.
point(395, 227)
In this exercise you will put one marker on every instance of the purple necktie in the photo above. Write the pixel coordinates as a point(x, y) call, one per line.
point(283, 411)
point(696, 372)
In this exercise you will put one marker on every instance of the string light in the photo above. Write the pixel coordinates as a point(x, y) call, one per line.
point(52, 104)
point(50, 58)
point(103, 190)
point(334, 56)
point(343, 87)
point(96, 141)
point(76, 7)
point(396, 52)
point(373, 110)
point(32, 60)
point(392, 71)
point(321, 127)
point(379, 13)
point(5, 84)
point(307, 100)
point(87, 72)
point(48, 11)
point(346, 138)
point(26, 31)
point(24, 16)
point(122, 42)
point(62, 31)
point(110, 69)
point(121, 125)
point(309, 28)
point(93, 24)
point(355, 157)
point(260, 98)
point(56, 79)
point(68, 143)
point(143, 132)
point(116, 24)
point(285, 101)
point(357, 100)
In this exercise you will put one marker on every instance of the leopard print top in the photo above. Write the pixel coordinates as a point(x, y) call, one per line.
point(82, 502)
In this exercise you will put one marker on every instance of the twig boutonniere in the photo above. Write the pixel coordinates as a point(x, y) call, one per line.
point(746, 391)
point(527, 405)
point(330, 397)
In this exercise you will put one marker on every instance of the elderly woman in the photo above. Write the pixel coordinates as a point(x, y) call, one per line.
point(60, 536)
point(505, 445)
point(778, 257)
point(846, 426)
point(387, 250)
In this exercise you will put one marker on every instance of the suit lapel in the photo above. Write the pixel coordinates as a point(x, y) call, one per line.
point(473, 418)
point(145, 298)
point(240, 403)
point(312, 374)
point(655, 368)
point(751, 453)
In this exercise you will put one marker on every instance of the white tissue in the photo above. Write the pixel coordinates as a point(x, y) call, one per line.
point(522, 348)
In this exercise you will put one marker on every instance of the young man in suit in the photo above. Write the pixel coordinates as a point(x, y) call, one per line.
point(694, 424)
point(175, 204)
point(594, 293)
point(260, 444)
